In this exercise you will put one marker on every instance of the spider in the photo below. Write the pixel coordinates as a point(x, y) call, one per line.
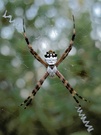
point(51, 63)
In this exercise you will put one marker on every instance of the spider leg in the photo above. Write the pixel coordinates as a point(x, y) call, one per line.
point(71, 90)
point(35, 90)
point(64, 55)
point(31, 49)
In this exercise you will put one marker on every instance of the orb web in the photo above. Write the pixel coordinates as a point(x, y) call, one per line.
point(48, 26)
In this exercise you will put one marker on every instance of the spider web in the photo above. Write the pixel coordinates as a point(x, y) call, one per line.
point(48, 26)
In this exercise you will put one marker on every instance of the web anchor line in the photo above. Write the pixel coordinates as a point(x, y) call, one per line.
point(9, 16)
point(83, 118)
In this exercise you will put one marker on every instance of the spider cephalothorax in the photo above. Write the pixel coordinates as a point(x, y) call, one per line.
point(51, 63)
point(50, 57)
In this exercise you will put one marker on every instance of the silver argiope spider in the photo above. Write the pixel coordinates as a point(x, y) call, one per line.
point(51, 63)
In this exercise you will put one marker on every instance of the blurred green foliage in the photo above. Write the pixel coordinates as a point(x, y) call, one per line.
point(53, 109)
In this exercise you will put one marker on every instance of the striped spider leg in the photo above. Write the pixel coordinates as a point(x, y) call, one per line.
point(31, 49)
point(64, 55)
point(68, 86)
point(35, 90)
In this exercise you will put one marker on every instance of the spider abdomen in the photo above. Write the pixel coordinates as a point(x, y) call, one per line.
point(51, 70)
